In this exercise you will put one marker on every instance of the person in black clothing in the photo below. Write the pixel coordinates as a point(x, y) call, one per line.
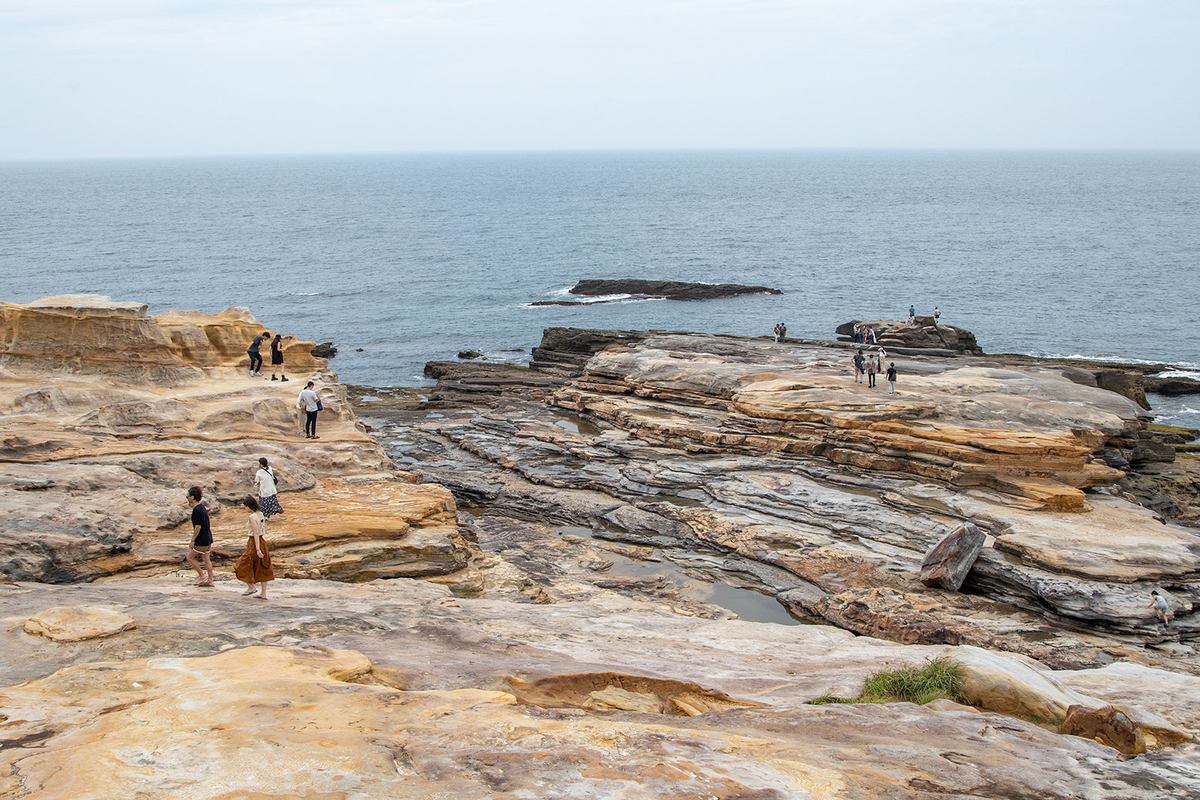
point(891, 378)
point(860, 366)
point(255, 357)
point(201, 538)
point(277, 357)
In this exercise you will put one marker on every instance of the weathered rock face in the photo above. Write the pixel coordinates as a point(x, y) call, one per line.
point(924, 336)
point(1018, 432)
point(107, 416)
point(765, 464)
point(393, 689)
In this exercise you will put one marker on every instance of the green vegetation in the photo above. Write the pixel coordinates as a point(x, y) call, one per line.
point(938, 678)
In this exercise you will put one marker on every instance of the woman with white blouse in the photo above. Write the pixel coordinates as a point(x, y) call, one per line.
point(266, 484)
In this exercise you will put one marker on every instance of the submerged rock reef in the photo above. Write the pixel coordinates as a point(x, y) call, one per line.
point(527, 582)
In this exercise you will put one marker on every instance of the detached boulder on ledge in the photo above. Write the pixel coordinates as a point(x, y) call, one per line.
point(947, 564)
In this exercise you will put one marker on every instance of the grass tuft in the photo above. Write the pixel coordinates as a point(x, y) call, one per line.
point(937, 679)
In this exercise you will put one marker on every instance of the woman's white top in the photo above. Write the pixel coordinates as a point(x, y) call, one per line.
point(265, 483)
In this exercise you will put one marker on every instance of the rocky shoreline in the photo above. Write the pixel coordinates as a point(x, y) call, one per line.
point(527, 582)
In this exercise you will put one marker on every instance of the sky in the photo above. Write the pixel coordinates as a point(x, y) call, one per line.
point(151, 78)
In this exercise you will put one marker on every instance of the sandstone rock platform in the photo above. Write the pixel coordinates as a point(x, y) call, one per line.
point(108, 415)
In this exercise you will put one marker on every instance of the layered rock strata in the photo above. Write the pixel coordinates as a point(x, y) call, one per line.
point(766, 462)
point(108, 415)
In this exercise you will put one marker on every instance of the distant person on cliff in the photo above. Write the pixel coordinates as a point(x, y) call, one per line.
point(254, 565)
point(266, 485)
point(872, 369)
point(782, 332)
point(778, 325)
point(1159, 603)
point(937, 314)
point(891, 378)
point(255, 356)
point(912, 314)
point(860, 366)
point(309, 404)
point(201, 538)
point(277, 357)
point(870, 336)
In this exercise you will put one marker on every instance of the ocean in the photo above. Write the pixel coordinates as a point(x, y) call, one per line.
point(414, 257)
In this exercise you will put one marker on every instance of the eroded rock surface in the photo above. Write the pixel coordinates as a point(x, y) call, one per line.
point(108, 415)
point(765, 461)
point(393, 689)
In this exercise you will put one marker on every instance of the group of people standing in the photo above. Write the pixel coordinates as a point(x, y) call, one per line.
point(780, 332)
point(912, 315)
point(870, 366)
point(253, 568)
point(864, 334)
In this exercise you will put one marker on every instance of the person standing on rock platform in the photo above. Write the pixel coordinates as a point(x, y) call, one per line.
point(912, 314)
point(1159, 604)
point(891, 378)
point(201, 538)
point(268, 494)
point(860, 366)
point(255, 356)
point(782, 332)
point(254, 566)
point(277, 358)
point(872, 369)
point(937, 314)
point(776, 331)
point(310, 404)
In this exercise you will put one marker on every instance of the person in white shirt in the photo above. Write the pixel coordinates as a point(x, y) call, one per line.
point(265, 485)
point(310, 404)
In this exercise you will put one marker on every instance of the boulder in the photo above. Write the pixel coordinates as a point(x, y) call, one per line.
point(947, 564)
point(1106, 725)
point(78, 623)
point(324, 350)
point(1016, 686)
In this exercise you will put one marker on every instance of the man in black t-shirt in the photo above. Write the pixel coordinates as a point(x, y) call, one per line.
point(201, 538)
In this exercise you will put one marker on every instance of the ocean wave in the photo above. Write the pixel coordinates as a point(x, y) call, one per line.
point(1179, 373)
point(304, 294)
point(1181, 365)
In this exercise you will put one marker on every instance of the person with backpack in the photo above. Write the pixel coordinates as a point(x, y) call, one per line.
point(860, 366)
point(267, 487)
point(891, 378)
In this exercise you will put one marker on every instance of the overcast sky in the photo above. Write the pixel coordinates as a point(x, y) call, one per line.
point(83, 78)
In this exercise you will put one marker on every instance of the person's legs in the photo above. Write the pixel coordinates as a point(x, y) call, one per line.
point(262, 595)
point(891, 387)
point(310, 424)
point(208, 567)
point(249, 588)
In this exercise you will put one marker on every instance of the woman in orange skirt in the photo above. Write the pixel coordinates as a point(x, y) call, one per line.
point(255, 564)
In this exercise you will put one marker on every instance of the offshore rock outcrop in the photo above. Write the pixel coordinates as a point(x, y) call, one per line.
point(635, 289)
point(922, 336)
point(108, 415)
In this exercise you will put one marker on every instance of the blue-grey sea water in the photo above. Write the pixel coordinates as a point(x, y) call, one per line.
point(415, 257)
